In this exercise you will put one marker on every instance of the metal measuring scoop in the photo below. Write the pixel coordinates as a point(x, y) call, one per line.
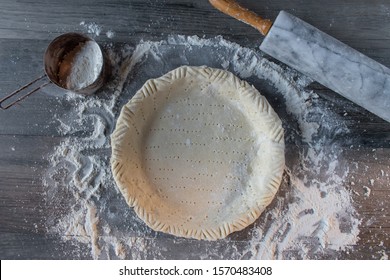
point(73, 62)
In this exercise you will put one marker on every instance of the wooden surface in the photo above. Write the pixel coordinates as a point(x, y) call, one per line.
point(27, 135)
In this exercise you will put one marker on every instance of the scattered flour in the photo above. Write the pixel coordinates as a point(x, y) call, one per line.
point(384, 255)
point(110, 34)
point(367, 191)
point(91, 28)
point(95, 30)
point(311, 217)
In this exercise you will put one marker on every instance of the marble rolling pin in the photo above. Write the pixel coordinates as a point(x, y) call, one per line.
point(321, 57)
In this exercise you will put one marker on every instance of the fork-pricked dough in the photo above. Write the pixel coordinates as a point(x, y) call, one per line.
point(198, 153)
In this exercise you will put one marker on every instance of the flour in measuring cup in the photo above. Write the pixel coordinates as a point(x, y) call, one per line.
point(82, 66)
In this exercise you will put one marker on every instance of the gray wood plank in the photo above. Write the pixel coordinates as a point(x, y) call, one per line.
point(22, 164)
point(27, 246)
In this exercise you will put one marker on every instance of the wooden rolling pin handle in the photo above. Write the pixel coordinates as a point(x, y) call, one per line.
point(232, 8)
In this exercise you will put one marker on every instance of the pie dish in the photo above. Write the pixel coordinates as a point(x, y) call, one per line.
point(198, 153)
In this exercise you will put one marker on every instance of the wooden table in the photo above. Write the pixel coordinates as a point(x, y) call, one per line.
point(27, 136)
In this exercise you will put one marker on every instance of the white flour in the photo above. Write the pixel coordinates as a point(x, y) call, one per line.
point(95, 30)
point(91, 28)
point(311, 217)
point(86, 63)
point(110, 34)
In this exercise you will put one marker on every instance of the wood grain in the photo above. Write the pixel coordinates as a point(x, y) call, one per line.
point(29, 132)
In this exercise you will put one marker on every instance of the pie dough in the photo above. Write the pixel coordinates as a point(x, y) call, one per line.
point(198, 153)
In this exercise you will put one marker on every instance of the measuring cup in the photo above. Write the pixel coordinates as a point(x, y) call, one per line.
point(72, 61)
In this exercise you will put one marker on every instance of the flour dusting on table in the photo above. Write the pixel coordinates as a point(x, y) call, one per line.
point(95, 29)
point(311, 217)
point(91, 28)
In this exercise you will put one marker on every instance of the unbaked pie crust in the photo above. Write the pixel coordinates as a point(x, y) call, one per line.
point(198, 153)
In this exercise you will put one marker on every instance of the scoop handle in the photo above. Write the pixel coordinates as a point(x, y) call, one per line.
point(12, 98)
point(232, 8)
